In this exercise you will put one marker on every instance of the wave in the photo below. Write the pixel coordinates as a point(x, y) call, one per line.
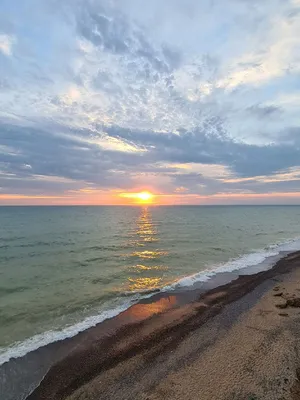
point(245, 261)
point(20, 349)
point(4, 290)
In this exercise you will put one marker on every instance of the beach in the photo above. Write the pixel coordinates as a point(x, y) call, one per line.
point(239, 340)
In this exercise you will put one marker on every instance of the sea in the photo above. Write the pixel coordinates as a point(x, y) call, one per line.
point(65, 269)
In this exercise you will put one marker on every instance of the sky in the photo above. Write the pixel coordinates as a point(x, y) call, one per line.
point(194, 101)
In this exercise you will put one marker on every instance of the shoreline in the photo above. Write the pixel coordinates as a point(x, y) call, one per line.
point(141, 329)
point(205, 280)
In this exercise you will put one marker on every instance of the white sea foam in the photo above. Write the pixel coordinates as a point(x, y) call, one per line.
point(20, 349)
point(245, 261)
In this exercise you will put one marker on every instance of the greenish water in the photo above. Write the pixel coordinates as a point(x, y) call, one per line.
point(63, 269)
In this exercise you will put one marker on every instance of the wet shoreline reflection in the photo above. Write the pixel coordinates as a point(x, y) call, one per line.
point(142, 311)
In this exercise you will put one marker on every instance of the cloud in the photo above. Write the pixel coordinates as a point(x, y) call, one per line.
point(6, 44)
point(186, 97)
point(192, 160)
point(266, 111)
point(291, 174)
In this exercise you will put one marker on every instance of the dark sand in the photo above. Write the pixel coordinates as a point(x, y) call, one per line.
point(236, 341)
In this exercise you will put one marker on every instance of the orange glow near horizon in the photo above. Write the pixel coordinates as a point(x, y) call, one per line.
point(91, 196)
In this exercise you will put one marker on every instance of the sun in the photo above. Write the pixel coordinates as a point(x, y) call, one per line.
point(144, 196)
point(140, 197)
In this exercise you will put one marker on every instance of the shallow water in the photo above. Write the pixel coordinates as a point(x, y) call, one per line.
point(63, 269)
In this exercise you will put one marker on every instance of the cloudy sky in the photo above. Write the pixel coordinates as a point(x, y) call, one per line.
point(195, 101)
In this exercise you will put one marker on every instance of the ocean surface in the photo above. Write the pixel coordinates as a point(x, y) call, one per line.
point(64, 269)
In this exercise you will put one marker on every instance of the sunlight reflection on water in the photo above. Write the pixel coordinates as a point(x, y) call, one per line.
point(146, 233)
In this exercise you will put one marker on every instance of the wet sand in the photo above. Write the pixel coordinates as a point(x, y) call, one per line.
point(236, 341)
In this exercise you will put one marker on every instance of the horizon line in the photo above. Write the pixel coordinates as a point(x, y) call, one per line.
point(150, 205)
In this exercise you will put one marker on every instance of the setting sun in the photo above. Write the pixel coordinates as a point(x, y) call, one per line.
point(143, 197)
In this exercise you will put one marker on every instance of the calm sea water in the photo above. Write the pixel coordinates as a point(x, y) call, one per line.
point(63, 269)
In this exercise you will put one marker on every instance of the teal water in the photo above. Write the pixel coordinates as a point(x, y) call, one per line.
point(63, 269)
